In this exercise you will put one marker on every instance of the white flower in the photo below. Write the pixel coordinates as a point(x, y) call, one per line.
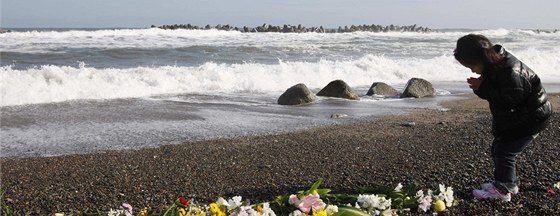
point(368, 201)
point(398, 188)
point(419, 194)
point(222, 202)
point(119, 212)
point(112, 212)
point(267, 211)
point(446, 194)
point(373, 201)
point(234, 202)
point(387, 212)
point(557, 185)
point(246, 211)
point(296, 213)
point(331, 209)
point(449, 197)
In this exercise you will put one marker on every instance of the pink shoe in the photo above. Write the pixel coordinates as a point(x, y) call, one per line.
point(486, 186)
point(491, 193)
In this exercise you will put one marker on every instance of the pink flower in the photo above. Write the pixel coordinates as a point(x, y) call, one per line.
point(551, 191)
point(311, 202)
point(425, 203)
point(293, 200)
point(127, 208)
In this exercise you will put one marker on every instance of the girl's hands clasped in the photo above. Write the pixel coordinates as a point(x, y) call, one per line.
point(474, 83)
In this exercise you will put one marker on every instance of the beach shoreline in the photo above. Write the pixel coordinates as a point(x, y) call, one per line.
point(448, 147)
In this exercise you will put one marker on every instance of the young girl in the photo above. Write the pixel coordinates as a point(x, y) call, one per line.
point(518, 103)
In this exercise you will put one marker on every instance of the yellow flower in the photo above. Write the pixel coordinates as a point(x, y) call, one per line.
point(144, 212)
point(199, 212)
point(260, 209)
point(215, 208)
point(219, 213)
point(320, 212)
point(182, 212)
point(439, 206)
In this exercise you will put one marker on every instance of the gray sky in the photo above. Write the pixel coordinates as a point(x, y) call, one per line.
point(477, 14)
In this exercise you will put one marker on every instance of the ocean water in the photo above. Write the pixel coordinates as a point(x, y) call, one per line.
point(72, 91)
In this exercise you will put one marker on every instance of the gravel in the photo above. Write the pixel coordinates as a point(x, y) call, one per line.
point(426, 148)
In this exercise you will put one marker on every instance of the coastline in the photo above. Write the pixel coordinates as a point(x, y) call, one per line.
point(449, 147)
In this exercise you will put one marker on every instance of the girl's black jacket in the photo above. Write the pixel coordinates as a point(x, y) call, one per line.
point(518, 102)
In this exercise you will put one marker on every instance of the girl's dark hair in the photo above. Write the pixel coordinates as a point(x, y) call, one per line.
point(477, 49)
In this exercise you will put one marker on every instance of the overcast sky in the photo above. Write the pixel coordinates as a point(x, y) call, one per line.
point(476, 14)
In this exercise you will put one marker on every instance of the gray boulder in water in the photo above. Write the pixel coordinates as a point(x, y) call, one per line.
point(340, 89)
point(298, 94)
point(417, 88)
point(381, 88)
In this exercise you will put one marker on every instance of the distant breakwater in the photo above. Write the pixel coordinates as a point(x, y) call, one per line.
point(302, 29)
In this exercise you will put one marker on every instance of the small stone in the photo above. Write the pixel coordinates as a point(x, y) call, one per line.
point(409, 124)
point(340, 115)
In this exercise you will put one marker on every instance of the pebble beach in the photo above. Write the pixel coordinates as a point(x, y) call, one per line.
point(428, 147)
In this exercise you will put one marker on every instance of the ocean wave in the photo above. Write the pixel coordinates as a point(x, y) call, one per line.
point(114, 33)
point(44, 42)
point(154, 38)
point(49, 83)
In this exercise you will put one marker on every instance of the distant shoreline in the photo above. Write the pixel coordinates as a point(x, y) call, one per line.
point(351, 28)
point(287, 28)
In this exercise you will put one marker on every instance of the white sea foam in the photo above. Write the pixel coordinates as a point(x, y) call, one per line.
point(60, 83)
point(49, 41)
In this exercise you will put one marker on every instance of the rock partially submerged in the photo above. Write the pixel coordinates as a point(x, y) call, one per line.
point(417, 88)
point(300, 94)
point(339, 89)
point(383, 89)
point(297, 94)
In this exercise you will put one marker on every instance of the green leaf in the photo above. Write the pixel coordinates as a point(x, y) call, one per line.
point(323, 191)
point(350, 211)
point(315, 186)
point(314, 189)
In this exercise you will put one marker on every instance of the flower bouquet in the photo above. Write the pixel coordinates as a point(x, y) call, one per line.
point(314, 201)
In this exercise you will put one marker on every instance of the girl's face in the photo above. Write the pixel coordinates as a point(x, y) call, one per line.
point(475, 68)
